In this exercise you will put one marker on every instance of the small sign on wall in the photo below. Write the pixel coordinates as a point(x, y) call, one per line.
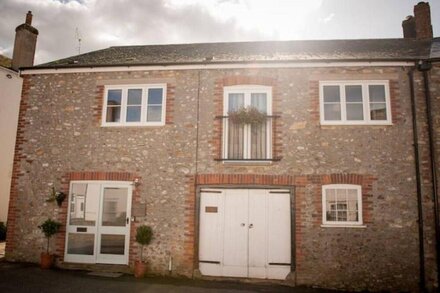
point(210, 209)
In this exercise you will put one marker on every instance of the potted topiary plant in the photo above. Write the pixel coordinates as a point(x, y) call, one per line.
point(49, 228)
point(144, 235)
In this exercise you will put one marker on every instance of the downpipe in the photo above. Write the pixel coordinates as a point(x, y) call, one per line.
point(424, 67)
point(418, 183)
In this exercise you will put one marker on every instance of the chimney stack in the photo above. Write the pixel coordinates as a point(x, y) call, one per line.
point(29, 18)
point(418, 26)
point(25, 43)
point(409, 27)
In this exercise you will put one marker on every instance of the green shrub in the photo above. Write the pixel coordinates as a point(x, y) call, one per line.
point(49, 228)
point(144, 235)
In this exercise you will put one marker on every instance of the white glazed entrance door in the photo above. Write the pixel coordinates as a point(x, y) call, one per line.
point(245, 233)
point(98, 227)
point(114, 224)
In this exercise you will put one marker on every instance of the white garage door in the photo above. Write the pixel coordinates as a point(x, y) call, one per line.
point(245, 233)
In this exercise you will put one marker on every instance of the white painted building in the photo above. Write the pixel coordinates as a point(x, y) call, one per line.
point(10, 91)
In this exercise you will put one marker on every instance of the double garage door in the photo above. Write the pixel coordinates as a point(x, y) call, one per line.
point(245, 233)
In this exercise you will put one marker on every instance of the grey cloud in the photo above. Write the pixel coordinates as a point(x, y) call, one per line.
point(131, 22)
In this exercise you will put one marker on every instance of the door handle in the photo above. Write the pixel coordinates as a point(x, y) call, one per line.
point(128, 220)
point(251, 226)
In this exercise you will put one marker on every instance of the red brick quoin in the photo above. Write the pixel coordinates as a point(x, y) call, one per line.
point(299, 183)
point(60, 240)
point(13, 210)
point(218, 106)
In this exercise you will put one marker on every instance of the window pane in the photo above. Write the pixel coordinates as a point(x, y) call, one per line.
point(355, 112)
point(332, 112)
point(134, 113)
point(377, 93)
point(352, 194)
point(155, 96)
point(331, 93)
point(259, 101)
point(259, 137)
point(353, 93)
point(331, 194)
point(352, 205)
point(114, 97)
point(341, 206)
point(235, 140)
point(341, 195)
point(113, 114)
point(154, 113)
point(134, 97)
point(114, 209)
point(85, 196)
point(342, 216)
point(378, 111)
point(331, 216)
point(353, 217)
point(236, 101)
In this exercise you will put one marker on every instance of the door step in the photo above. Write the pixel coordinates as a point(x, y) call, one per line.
point(289, 281)
point(105, 274)
point(96, 268)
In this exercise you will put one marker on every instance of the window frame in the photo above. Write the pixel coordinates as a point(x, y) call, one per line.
point(358, 223)
point(247, 90)
point(144, 105)
point(365, 102)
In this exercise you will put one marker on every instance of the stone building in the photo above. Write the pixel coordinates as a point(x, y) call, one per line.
point(311, 162)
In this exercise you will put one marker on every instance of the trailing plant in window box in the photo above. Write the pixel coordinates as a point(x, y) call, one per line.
point(248, 115)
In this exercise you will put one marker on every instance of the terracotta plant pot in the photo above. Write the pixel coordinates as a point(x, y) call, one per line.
point(140, 268)
point(46, 260)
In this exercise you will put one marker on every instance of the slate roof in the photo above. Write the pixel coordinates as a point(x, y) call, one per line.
point(266, 51)
point(435, 49)
point(5, 61)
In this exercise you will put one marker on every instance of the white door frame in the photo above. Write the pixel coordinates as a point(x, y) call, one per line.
point(97, 257)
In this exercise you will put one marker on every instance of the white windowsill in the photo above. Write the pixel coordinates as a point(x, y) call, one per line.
point(327, 123)
point(133, 125)
point(343, 226)
point(247, 163)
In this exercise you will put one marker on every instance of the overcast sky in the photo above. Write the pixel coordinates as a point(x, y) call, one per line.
point(105, 23)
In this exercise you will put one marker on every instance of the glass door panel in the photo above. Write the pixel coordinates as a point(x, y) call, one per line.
point(114, 225)
point(81, 244)
point(82, 226)
point(114, 209)
point(112, 244)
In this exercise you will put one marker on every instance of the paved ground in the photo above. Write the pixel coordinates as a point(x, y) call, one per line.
point(30, 278)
